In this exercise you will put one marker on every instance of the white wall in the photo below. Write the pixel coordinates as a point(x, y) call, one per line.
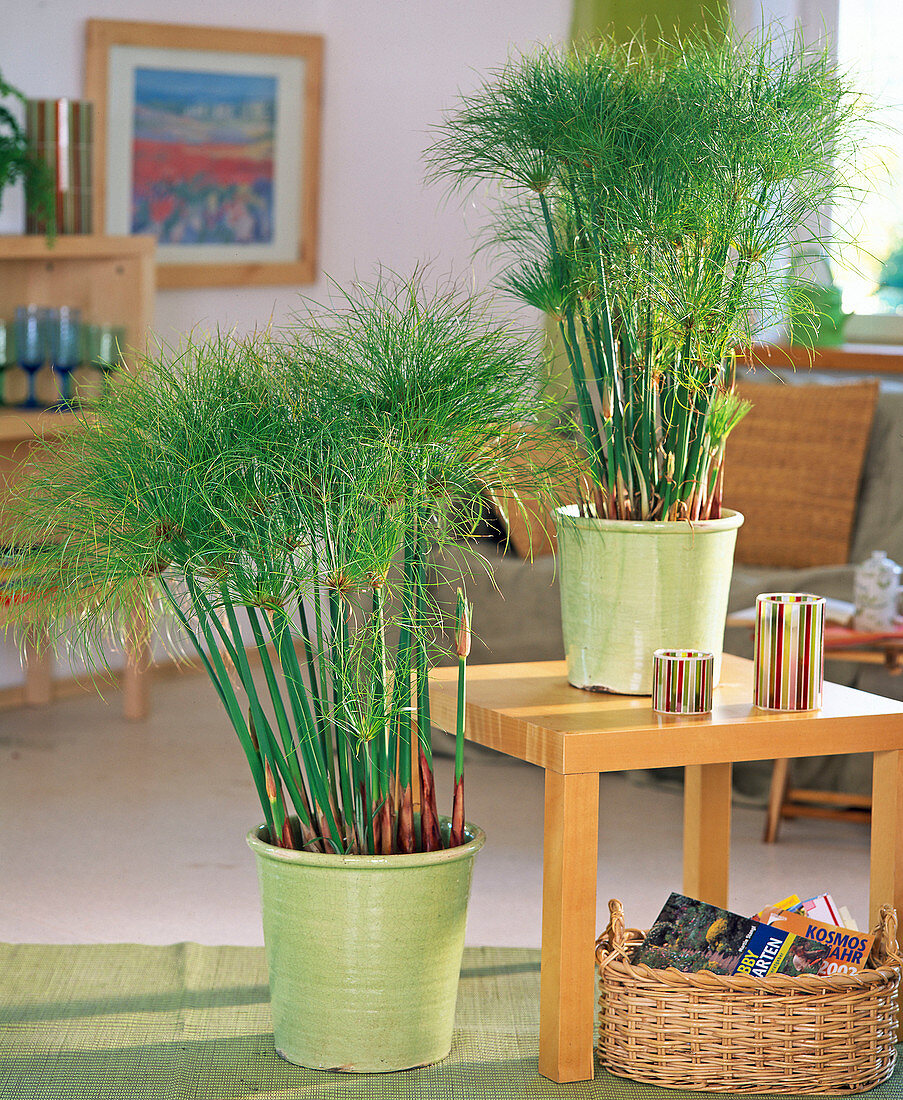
point(816, 17)
point(391, 66)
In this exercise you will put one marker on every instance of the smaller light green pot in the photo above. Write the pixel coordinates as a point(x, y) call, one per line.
point(630, 587)
point(364, 952)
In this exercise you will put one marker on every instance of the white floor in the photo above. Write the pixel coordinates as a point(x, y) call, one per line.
point(118, 831)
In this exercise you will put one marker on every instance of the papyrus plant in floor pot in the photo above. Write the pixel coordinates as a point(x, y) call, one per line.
point(278, 496)
point(642, 197)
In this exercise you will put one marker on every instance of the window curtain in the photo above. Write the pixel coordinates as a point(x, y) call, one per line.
point(622, 18)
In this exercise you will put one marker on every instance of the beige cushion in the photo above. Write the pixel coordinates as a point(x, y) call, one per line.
point(793, 468)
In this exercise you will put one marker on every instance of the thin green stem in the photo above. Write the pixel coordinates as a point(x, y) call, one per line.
point(319, 708)
point(591, 438)
point(286, 768)
point(328, 719)
point(385, 757)
point(429, 814)
point(316, 766)
point(339, 663)
point(279, 710)
point(220, 679)
point(401, 688)
point(459, 721)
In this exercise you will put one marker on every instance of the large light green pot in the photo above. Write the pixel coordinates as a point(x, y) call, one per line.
point(364, 952)
point(631, 587)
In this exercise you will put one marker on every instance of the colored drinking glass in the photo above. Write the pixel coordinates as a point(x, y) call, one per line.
point(7, 355)
point(65, 345)
point(31, 347)
point(103, 350)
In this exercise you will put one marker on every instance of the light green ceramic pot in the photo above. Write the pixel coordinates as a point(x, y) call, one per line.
point(631, 587)
point(364, 952)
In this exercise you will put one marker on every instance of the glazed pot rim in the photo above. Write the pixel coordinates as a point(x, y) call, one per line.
point(476, 838)
point(730, 520)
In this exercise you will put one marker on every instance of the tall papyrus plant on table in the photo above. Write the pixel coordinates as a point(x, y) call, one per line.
point(283, 493)
point(644, 194)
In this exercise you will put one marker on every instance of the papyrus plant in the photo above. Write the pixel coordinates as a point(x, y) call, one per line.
point(643, 197)
point(287, 491)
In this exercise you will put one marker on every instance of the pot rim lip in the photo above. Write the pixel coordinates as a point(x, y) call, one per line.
point(730, 520)
point(395, 862)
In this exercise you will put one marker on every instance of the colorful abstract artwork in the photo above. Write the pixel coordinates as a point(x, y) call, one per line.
point(208, 139)
point(203, 157)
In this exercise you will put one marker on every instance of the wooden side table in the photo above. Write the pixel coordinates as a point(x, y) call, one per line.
point(529, 711)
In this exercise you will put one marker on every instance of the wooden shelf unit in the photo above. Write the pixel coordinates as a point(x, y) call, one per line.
point(17, 425)
point(111, 280)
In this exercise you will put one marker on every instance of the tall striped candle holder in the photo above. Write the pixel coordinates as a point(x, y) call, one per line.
point(682, 681)
point(789, 658)
point(60, 132)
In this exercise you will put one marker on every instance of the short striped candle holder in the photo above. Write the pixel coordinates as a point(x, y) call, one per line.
point(789, 657)
point(682, 681)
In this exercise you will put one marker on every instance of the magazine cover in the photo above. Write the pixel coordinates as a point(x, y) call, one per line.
point(848, 951)
point(692, 935)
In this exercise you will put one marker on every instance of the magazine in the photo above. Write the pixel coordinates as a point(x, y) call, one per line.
point(821, 908)
point(848, 951)
point(692, 935)
point(790, 902)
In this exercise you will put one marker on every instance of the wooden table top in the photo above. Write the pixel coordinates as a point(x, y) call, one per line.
point(531, 712)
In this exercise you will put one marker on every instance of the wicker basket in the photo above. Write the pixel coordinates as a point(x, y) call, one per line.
point(705, 1031)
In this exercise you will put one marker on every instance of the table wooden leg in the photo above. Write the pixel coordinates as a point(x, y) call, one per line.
point(780, 776)
point(886, 870)
point(135, 674)
point(707, 832)
point(38, 662)
point(570, 854)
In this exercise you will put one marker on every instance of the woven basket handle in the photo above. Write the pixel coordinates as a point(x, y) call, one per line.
point(614, 933)
point(611, 944)
point(886, 934)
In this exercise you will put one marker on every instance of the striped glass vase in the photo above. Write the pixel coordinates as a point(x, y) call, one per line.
point(60, 132)
point(682, 681)
point(789, 654)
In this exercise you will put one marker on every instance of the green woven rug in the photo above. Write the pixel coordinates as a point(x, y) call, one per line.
point(110, 1022)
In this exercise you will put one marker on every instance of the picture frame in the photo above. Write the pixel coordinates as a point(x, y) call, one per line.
point(209, 139)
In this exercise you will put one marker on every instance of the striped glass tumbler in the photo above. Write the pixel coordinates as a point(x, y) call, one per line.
point(789, 658)
point(682, 681)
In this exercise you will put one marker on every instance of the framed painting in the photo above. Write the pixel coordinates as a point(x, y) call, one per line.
point(208, 139)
